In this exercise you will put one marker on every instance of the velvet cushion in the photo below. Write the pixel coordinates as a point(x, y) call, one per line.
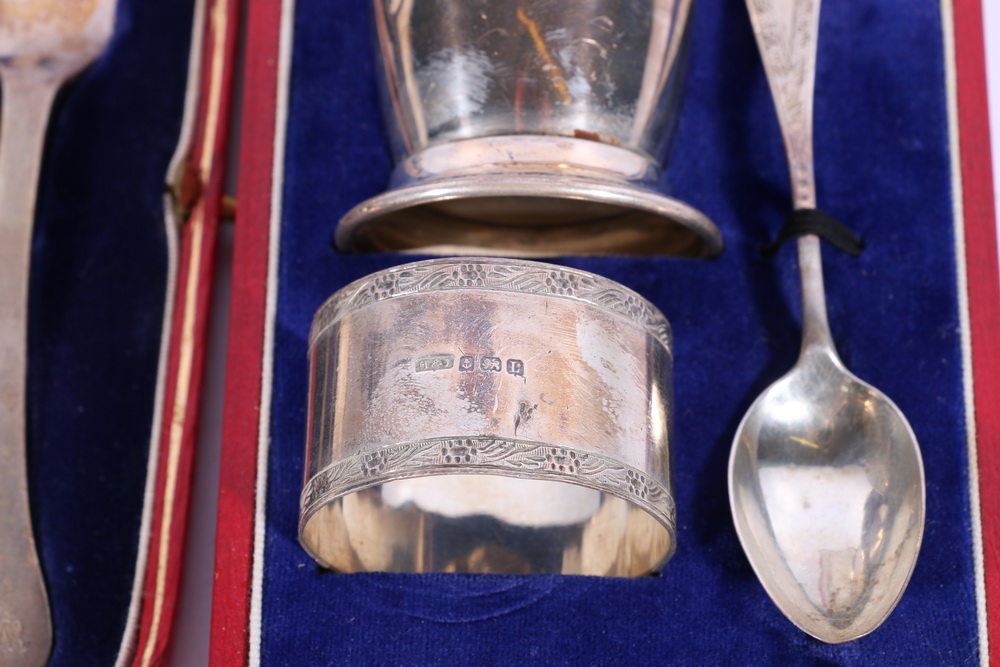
point(883, 168)
point(98, 289)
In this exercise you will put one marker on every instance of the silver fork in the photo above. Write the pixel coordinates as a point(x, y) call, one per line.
point(42, 44)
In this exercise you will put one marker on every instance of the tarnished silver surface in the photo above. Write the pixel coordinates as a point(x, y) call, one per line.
point(42, 43)
point(826, 481)
point(529, 128)
point(489, 415)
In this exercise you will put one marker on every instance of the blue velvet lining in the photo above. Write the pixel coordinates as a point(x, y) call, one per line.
point(883, 168)
point(98, 285)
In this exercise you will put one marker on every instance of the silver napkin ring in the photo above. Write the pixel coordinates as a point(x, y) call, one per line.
point(489, 415)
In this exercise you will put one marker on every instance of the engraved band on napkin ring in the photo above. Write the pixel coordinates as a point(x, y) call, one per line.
point(489, 415)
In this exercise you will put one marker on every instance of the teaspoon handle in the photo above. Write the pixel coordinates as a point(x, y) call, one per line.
point(815, 326)
point(787, 32)
point(25, 624)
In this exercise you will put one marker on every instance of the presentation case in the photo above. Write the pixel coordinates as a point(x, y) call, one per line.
point(901, 144)
point(130, 201)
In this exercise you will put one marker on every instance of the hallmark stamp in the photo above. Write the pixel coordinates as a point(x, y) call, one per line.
point(467, 363)
point(435, 362)
point(490, 364)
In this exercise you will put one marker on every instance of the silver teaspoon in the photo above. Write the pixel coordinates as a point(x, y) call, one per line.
point(42, 44)
point(826, 483)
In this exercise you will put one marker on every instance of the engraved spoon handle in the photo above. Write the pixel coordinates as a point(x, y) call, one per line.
point(25, 624)
point(787, 33)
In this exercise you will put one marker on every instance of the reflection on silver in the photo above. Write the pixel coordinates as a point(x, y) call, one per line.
point(530, 128)
point(489, 415)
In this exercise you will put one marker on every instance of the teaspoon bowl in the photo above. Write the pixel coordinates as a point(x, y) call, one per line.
point(827, 494)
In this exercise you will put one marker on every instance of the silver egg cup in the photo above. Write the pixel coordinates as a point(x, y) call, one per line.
point(529, 128)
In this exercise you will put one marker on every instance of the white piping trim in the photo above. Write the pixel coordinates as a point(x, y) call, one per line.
point(274, 246)
point(962, 285)
point(126, 651)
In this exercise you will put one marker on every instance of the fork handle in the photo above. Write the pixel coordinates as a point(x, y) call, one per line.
point(25, 623)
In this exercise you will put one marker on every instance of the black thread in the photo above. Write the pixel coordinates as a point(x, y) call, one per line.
point(804, 221)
